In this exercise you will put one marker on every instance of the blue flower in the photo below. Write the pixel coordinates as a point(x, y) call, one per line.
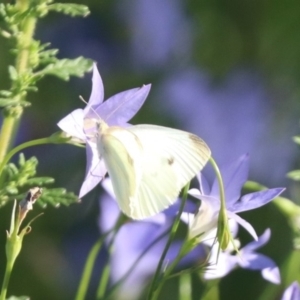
point(247, 258)
point(116, 111)
point(234, 176)
point(132, 239)
point(292, 292)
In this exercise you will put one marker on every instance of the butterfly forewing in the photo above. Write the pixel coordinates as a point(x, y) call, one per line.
point(171, 158)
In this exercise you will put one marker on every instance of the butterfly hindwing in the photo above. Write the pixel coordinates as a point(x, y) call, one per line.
point(149, 165)
point(121, 153)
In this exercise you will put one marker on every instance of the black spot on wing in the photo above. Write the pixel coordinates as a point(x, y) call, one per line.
point(170, 160)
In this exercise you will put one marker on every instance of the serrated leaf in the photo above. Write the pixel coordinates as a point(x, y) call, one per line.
point(70, 9)
point(5, 93)
point(56, 197)
point(64, 68)
point(18, 179)
point(295, 175)
point(40, 181)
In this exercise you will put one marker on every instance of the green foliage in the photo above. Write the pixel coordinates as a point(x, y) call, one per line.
point(18, 25)
point(18, 298)
point(70, 9)
point(16, 180)
point(56, 197)
point(294, 175)
point(64, 68)
point(296, 139)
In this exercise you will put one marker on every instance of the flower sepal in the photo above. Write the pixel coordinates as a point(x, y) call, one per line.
point(61, 137)
point(14, 238)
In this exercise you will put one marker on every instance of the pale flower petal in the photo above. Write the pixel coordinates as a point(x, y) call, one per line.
point(97, 94)
point(72, 124)
point(272, 275)
point(292, 292)
point(243, 223)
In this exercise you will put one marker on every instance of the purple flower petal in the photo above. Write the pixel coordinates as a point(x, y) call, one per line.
point(234, 177)
point(262, 240)
point(97, 94)
point(130, 242)
point(255, 200)
point(72, 124)
point(292, 292)
point(110, 212)
point(255, 261)
point(121, 107)
point(95, 169)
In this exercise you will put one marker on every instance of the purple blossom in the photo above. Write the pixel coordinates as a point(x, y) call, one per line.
point(116, 111)
point(234, 176)
point(131, 240)
point(292, 292)
point(247, 258)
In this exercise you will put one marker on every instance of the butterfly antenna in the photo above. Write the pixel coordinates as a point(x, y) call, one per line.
point(82, 99)
point(94, 111)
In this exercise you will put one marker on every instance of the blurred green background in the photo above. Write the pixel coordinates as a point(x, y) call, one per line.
point(226, 70)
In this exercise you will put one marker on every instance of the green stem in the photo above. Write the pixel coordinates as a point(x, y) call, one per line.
point(185, 287)
point(220, 182)
point(103, 282)
point(106, 271)
point(87, 272)
point(13, 115)
point(15, 150)
point(5, 135)
point(8, 270)
point(90, 262)
point(223, 231)
point(153, 294)
point(12, 249)
point(143, 253)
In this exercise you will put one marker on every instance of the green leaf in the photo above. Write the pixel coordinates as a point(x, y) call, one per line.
point(18, 298)
point(16, 180)
point(6, 102)
point(56, 197)
point(64, 68)
point(295, 175)
point(13, 74)
point(2, 10)
point(40, 181)
point(5, 93)
point(70, 9)
point(296, 139)
point(48, 56)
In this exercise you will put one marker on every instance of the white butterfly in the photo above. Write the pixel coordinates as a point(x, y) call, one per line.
point(149, 165)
